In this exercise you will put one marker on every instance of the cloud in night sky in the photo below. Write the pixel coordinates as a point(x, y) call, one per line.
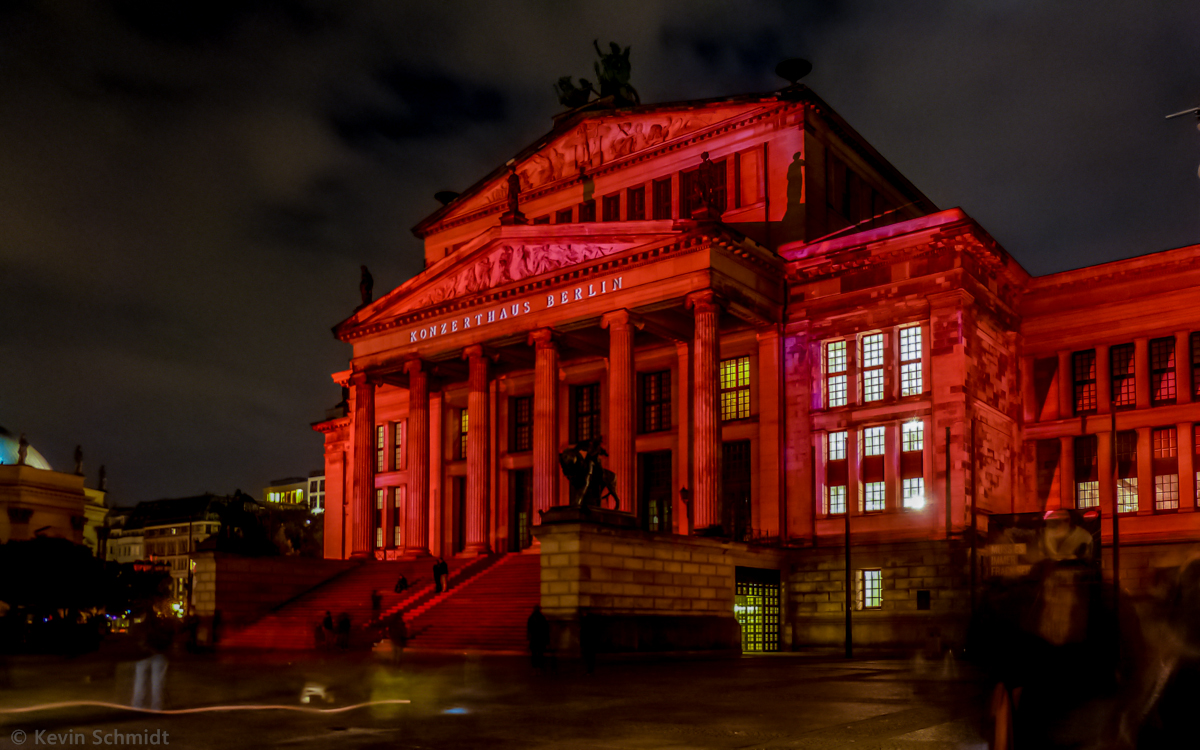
point(187, 189)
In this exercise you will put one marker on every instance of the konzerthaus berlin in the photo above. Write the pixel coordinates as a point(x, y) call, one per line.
point(770, 328)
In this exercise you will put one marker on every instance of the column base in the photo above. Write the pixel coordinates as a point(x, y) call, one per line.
point(475, 550)
point(414, 554)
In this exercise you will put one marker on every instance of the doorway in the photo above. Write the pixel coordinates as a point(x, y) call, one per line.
point(458, 486)
point(521, 504)
point(654, 491)
point(736, 488)
point(756, 607)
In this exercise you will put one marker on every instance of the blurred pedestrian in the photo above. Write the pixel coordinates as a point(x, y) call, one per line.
point(537, 630)
point(401, 584)
point(441, 575)
point(155, 637)
point(398, 634)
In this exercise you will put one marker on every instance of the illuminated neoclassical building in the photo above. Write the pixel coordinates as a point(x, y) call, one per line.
point(770, 328)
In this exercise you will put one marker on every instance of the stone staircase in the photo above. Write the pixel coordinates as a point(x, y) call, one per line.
point(292, 625)
point(486, 612)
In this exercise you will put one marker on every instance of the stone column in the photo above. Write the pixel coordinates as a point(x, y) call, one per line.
point(1187, 465)
point(620, 438)
point(1141, 373)
point(1066, 386)
point(362, 508)
point(477, 453)
point(1028, 391)
point(416, 525)
point(1183, 368)
point(1066, 472)
point(1103, 380)
point(706, 412)
point(545, 423)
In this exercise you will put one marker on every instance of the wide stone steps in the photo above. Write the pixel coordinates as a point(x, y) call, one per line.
point(486, 613)
point(293, 625)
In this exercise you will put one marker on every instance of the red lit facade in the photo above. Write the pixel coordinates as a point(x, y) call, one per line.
point(823, 341)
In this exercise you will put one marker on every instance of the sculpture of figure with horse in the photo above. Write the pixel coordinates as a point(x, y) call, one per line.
point(590, 482)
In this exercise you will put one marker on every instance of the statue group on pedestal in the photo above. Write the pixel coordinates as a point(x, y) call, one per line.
point(590, 482)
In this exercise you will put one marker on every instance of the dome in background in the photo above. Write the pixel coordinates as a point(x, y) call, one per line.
point(10, 444)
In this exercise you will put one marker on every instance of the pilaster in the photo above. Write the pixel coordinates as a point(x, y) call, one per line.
point(362, 511)
point(620, 437)
point(706, 416)
point(545, 422)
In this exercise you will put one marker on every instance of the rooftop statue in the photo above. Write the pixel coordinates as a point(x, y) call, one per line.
point(366, 287)
point(612, 73)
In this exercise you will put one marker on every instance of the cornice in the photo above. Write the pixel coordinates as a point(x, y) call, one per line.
point(331, 425)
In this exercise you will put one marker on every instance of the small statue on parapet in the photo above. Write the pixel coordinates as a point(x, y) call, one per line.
point(366, 287)
point(590, 482)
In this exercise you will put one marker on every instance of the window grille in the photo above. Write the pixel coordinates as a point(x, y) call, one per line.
point(735, 388)
point(611, 207)
point(522, 420)
point(656, 401)
point(1166, 492)
point(1084, 369)
point(835, 373)
point(874, 496)
point(398, 434)
point(872, 367)
point(914, 493)
point(1087, 494)
point(835, 500)
point(1195, 343)
point(586, 408)
point(874, 439)
point(1124, 395)
point(870, 589)
point(463, 414)
point(380, 448)
point(837, 446)
point(910, 361)
point(1162, 371)
point(1127, 495)
point(912, 436)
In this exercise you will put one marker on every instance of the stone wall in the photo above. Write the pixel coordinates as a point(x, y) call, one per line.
point(816, 591)
point(246, 588)
point(645, 592)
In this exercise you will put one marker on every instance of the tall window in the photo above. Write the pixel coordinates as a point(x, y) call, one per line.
point(871, 367)
point(870, 589)
point(565, 216)
point(379, 495)
point(1127, 479)
point(912, 465)
point(1195, 341)
point(874, 482)
point(1166, 468)
point(400, 453)
point(835, 373)
point(656, 401)
point(735, 388)
point(611, 207)
point(1087, 477)
point(662, 198)
point(1084, 375)
point(585, 412)
point(1124, 395)
point(522, 422)
point(380, 448)
point(587, 211)
point(398, 499)
point(910, 361)
point(1162, 371)
point(836, 473)
point(461, 443)
point(635, 204)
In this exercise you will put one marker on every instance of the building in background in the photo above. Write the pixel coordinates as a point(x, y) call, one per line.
point(289, 492)
point(778, 340)
point(169, 532)
point(35, 500)
point(316, 491)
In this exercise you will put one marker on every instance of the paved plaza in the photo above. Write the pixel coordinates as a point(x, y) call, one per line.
point(487, 701)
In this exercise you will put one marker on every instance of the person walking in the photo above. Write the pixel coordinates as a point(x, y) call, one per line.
point(401, 584)
point(155, 638)
point(441, 575)
point(537, 630)
point(398, 634)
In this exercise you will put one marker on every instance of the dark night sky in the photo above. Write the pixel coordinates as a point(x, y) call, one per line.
point(187, 188)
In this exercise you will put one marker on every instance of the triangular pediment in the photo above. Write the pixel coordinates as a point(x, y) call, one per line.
point(507, 256)
point(598, 140)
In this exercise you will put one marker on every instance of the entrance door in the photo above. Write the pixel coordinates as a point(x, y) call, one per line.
point(756, 607)
point(654, 491)
point(735, 488)
point(521, 521)
point(459, 488)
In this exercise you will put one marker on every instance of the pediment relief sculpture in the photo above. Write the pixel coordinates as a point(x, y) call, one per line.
point(511, 262)
point(595, 143)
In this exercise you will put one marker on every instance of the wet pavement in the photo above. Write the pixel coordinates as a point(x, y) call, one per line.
point(471, 701)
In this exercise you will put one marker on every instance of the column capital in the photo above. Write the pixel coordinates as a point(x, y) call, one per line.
point(474, 351)
point(704, 300)
point(618, 319)
point(542, 338)
point(414, 366)
point(362, 377)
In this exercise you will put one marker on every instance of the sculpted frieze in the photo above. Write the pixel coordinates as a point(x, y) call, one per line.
point(594, 144)
point(512, 262)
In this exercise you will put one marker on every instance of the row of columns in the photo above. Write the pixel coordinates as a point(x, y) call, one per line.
point(620, 435)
